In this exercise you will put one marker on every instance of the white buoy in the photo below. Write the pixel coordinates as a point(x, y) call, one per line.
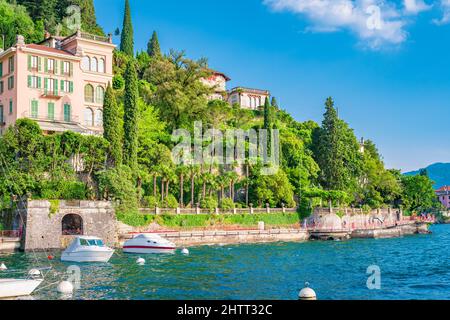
point(185, 251)
point(3, 267)
point(140, 261)
point(65, 287)
point(307, 293)
point(34, 273)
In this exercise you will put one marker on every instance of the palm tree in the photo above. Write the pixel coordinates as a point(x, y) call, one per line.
point(181, 171)
point(193, 172)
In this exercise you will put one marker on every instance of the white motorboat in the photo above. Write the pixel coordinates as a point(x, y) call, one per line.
point(147, 244)
point(87, 249)
point(12, 288)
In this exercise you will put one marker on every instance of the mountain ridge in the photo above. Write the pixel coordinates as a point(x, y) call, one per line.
point(438, 172)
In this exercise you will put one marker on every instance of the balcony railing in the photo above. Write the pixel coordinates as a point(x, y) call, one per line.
point(55, 118)
point(94, 37)
point(51, 94)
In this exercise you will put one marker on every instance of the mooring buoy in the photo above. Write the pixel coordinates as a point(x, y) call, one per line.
point(140, 261)
point(3, 267)
point(185, 251)
point(307, 293)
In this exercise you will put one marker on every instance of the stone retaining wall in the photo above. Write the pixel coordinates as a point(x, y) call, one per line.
point(44, 230)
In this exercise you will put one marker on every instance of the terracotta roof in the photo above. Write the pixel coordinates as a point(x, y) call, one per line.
point(48, 49)
point(443, 189)
point(218, 73)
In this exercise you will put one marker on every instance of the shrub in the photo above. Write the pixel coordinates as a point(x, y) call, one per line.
point(209, 203)
point(171, 202)
point(152, 202)
point(227, 204)
point(118, 82)
point(62, 190)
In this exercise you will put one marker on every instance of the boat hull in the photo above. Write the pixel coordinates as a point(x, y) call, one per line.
point(11, 288)
point(87, 256)
point(148, 250)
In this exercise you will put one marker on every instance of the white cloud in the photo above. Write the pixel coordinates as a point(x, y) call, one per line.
point(416, 6)
point(445, 7)
point(375, 22)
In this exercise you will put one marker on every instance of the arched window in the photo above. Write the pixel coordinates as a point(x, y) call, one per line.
point(72, 225)
point(89, 93)
point(88, 117)
point(86, 63)
point(99, 94)
point(94, 64)
point(101, 65)
point(98, 118)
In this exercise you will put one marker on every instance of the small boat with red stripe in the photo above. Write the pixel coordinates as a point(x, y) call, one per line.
point(148, 243)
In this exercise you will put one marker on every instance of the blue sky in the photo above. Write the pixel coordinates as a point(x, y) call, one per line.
point(388, 70)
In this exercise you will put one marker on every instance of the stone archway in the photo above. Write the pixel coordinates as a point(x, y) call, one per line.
point(72, 225)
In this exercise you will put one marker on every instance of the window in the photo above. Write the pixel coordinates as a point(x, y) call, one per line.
point(67, 112)
point(11, 83)
point(98, 118)
point(86, 63)
point(1, 87)
point(34, 82)
point(99, 95)
point(1, 115)
point(1, 69)
point(94, 64)
point(33, 62)
point(11, 64)
point(89, 93)
point(101, 65)
point(10, 106)
point(34, 109)
point(51, 111)
point(50, 65)
point(66, 67)
point(88, 117)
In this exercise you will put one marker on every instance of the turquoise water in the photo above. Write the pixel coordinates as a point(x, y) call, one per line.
point(415, 267)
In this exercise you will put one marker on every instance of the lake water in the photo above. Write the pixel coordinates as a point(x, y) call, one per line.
point(416, 267)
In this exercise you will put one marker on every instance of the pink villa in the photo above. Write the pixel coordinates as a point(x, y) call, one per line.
point(59, 82)
point(443, 195)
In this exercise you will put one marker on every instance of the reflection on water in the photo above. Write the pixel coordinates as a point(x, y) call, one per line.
point(412, 268)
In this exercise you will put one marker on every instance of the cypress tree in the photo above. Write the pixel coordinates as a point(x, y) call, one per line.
point(153, 48)
point(267, 115)
point(130, 118)
point(127, 41)
point(112, 132)
point(274, 103)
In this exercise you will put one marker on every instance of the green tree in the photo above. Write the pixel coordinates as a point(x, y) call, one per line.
point(130, 144)
point(274, 103)
point(111, 124)
point(127, 37)
point(268, 120)
point(337, 153)
point(418, 193)
point(153, 48)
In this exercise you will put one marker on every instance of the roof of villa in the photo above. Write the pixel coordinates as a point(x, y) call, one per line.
point(48, 49)
point(444, 189)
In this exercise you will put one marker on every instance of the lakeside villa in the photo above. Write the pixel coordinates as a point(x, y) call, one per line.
point(59, 82)
point(443, 195)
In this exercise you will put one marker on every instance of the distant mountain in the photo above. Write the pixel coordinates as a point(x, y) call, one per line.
point(438, 172)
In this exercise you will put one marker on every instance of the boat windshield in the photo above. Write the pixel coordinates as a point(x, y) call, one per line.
point(91, 243)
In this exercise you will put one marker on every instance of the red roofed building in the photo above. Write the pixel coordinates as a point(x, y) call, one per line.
point(444, 196)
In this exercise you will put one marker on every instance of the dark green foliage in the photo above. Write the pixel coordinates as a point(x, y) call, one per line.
point(153, 48)
point(130, 144)
point(112, 130)
point(127, 37)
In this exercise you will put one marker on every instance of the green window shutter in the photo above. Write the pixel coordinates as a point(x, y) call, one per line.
point(51, 111)
point(1, 114)
point(67, 112)
point(55, 86)
point(39, 64)
point(45, 85)
point(55, 66)
point(70, 68)
point(62, 67)
point(29, 81)
point(10, 106)
point(1, 69)
point(34, 109)
point(62, 85)
point(39, 84)
point(29, 62)
point(45, 65)
point(71, 86)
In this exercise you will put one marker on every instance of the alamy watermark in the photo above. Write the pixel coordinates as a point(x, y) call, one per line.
point(374, 280)
point(236, 146)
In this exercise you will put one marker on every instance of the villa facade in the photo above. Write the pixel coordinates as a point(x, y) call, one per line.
point(443, 195)
point(60, 82)
point(248, 98)
point(218, 82)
